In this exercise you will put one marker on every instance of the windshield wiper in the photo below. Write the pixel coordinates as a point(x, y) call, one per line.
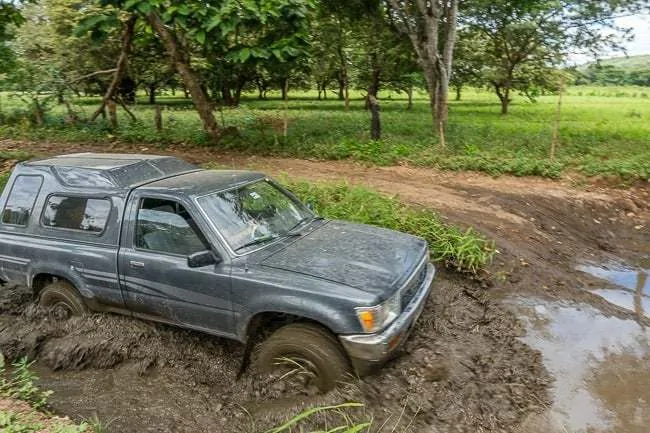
point(257, 241)
point(292, 231)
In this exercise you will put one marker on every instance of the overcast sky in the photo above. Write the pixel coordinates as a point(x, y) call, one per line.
point(641, 26)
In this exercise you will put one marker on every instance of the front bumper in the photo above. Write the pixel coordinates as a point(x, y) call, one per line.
point(369, 350)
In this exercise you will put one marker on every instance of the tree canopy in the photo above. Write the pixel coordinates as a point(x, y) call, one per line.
point(213, 51)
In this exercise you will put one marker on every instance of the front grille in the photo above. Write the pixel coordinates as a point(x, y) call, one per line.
point(413, 286)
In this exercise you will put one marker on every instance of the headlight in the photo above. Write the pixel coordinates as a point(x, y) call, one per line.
point(375, 318)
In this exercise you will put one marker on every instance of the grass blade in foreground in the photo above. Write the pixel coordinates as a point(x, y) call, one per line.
point(309, 412)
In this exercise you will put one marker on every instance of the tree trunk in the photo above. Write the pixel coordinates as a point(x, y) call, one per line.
point(260, 89)
point(285, 97)
point(72, 118)
point(373, 88)
point(375, 123)
point(459, 90)
point(178, 57)
point(344, 81)
point(39, 113)
point(237, 96)
point(158, 118)
point(226, 94)
point(318, 88)
point(112, 113)
point(127, 36)
point(285, 89)
point(503, 92)
point(341, 87)
point(409, 93)
point(424, 33)
point(152, 94)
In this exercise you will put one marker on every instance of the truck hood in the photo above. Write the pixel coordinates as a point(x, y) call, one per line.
point(369, 258)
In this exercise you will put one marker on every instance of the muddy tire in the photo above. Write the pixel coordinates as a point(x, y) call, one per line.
point(308, 348)
point(64, 296)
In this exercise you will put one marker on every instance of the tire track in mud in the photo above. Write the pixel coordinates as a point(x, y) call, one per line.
point(463, 369)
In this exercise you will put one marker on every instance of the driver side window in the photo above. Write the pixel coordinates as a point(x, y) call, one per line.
point(165, 226)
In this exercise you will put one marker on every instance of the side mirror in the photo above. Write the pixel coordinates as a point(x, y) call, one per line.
point(202, 258)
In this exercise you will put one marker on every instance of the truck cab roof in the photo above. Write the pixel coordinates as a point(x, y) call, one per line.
point(112, 170)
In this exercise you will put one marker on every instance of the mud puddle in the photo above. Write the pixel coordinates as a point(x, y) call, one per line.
point(464, 369)
point(601, 367)
point(632, 291)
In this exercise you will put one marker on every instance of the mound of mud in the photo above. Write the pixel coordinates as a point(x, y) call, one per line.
point(463, 369)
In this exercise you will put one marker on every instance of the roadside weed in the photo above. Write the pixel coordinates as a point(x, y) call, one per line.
point(21, 383)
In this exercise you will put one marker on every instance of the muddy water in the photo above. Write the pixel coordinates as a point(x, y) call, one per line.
point(601, 367)
point(633, 285)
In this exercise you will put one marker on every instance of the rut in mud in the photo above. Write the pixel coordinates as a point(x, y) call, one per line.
point(464, 369)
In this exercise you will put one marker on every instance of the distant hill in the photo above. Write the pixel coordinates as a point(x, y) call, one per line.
point(630, 63)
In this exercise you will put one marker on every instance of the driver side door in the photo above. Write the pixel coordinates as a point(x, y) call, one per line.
point(156, 280)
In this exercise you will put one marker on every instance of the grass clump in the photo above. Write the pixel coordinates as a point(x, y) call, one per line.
point(26, 401)
point(463, 250)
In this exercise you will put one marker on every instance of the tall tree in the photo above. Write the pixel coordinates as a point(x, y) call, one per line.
point(431, 27)
point(10, 18)
point(236, 30)
point(525, 40)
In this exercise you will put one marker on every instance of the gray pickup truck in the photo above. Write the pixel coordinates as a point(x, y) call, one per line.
point(230, 253)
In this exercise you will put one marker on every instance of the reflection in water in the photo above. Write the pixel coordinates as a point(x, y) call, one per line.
point(585, 352)
point(635, 292)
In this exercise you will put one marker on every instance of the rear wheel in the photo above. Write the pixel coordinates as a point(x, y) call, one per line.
point(305, 353)
point(62, 296)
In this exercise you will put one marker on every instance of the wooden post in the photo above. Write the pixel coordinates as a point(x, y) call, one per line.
point(112, 113)
point(375, 123)
point(158, 118)
point(558, 119)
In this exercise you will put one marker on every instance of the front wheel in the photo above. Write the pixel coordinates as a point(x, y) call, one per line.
point(61, 295)
point(306, 351)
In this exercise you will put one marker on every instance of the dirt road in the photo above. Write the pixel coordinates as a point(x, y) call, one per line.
point(545, 347)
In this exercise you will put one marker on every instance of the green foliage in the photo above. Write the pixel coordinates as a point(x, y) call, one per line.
point(21, 384)
point(464, 250)
point(616, 73)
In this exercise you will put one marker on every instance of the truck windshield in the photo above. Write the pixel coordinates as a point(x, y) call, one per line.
point(254, 214)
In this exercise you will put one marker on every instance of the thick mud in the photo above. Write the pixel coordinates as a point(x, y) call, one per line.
point(463, 369)
point(547, 347)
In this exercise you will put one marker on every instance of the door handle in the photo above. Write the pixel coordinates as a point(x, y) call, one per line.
point(135, 264)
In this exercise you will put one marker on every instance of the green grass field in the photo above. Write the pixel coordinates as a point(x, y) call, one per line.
point(604, 130)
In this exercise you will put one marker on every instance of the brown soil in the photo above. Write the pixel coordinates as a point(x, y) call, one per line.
point(464, 369)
